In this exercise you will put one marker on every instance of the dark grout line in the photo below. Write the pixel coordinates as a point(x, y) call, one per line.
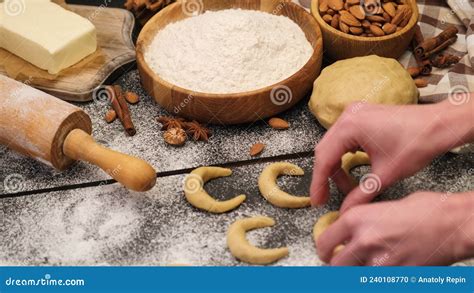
point(158, 175)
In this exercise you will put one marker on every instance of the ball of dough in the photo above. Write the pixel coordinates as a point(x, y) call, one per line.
point(369, 79)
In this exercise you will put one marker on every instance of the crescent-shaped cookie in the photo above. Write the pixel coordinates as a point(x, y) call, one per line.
point(352, 160)
point(322, 224)
point(199, 198)
point(243, 250)
point(270, 190)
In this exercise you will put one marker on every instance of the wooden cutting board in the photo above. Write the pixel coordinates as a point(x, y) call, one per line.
point(77, 83)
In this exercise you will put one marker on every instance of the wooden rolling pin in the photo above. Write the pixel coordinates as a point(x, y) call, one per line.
point(57, 133)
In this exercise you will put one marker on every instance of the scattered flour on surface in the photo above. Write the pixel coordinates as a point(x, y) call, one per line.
point(229, 51)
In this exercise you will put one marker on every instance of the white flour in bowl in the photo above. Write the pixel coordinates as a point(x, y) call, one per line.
point(229, 51)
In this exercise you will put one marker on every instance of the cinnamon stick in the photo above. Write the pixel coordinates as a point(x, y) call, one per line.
point(114, 102)
point(417, 37)
point(440, 48)
point(436, 44)
point(125, 116)
point(426, 67)
point(443, 61)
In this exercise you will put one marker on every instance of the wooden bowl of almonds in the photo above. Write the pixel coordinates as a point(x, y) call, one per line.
point(353, 28)
point(228, 107)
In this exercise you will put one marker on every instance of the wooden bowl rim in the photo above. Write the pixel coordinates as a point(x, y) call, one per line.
point(311, 62)
point(407, 28)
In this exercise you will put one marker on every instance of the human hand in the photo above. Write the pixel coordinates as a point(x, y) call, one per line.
point(400, 140)
point(422, 229)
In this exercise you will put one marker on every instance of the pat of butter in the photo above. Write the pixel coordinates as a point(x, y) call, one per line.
point(45, 34)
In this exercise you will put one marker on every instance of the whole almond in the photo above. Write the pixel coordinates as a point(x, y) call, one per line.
point(389, 28)
point(278, 123)
point(110, 116)
point(349, 19)
point(406, 18)
point(420, 82)
point(376, 18)
point(414, 71)
point(131, 97)
point(327, 18)
point(343, 27)
point(256, 149)
point(376, 31)
point(356, 30)
point(389, 8)
point(331, 12)
point(386, 17)
point(323, 6)
point(365, 23)
point(402, 11)
point(335, 21)
point(336, 4)
point(357, 11)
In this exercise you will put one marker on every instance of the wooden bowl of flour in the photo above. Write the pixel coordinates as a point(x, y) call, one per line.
point(239, 107)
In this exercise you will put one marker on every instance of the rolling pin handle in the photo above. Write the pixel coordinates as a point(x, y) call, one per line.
point(132, 172)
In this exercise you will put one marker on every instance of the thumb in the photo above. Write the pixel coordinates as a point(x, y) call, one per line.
point(370, 185)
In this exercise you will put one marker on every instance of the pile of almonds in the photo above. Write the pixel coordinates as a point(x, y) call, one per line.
point(366, 18)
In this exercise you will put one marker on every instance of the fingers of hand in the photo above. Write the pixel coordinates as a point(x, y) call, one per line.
point(328, 154)
point(344, 182)
point(336, 234)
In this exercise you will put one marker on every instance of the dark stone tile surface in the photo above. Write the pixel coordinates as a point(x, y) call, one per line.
point(228, 144)
point(108, 225)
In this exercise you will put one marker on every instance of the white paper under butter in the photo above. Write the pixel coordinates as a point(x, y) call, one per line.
point(45, 34)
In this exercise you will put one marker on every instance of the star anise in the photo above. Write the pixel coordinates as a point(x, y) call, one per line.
point(197, 131)
point(170, 122)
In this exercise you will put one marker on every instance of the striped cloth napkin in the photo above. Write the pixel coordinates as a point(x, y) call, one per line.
point(436, 15)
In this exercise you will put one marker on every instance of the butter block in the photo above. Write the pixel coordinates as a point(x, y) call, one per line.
point(45, 34)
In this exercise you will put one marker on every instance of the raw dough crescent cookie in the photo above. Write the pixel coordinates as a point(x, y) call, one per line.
point(270, 190)
point(199, 198)
point(243, 250)
point(322, 224)
point(352, 160)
